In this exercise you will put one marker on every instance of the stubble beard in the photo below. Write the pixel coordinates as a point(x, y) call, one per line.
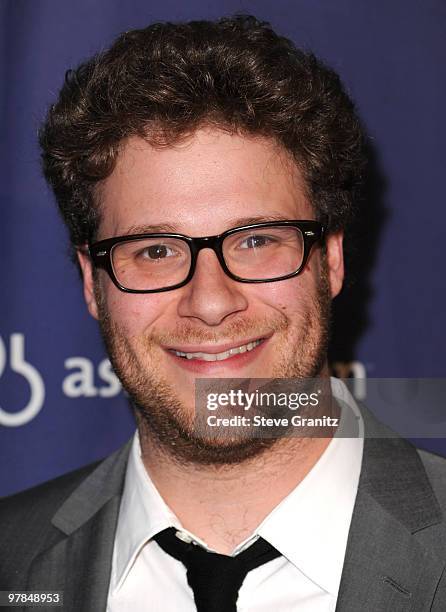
point(163, 419)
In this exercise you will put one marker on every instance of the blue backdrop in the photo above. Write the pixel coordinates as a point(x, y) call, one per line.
point(60, 405)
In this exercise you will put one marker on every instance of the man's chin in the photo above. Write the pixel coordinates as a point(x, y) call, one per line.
point(193, 444)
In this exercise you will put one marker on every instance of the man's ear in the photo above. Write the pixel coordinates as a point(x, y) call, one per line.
point(335, 262)
point(88, 281)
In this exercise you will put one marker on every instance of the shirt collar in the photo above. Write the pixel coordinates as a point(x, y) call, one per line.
point(319, 524)
point(310, 526)
point(143, 514)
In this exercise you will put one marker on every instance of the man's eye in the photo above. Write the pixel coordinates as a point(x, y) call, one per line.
point(256, 241)
point(156, 251)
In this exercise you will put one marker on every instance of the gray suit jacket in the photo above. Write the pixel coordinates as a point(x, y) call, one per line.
point(59, 535)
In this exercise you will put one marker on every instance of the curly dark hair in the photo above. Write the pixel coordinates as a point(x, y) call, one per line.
point(165, 81)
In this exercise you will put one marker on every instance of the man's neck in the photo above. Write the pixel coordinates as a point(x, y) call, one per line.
point(223, 505)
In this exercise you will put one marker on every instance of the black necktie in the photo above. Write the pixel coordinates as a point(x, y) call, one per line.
point(215, 579)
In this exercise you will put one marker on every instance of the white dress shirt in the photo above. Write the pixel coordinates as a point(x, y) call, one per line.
point(309, 528)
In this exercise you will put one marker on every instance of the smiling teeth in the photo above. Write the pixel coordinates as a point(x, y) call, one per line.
point(219, 356)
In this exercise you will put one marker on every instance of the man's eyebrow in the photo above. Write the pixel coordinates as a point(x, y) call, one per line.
point(151, 229)
point(172, 229)
point(257, 219)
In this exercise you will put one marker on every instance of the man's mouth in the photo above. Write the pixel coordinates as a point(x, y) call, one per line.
point(237, 350)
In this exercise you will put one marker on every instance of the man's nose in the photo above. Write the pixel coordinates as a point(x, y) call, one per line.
point(211, 295)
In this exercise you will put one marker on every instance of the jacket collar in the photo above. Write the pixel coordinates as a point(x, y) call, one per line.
point(102, 485)
point(386, 566)
point(79, 557)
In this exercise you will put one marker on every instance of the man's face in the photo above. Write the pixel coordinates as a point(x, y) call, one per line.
point(212, 182)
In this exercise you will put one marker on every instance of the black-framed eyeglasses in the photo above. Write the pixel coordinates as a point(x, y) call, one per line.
point(257, 253)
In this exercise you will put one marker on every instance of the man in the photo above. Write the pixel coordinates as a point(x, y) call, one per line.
point(207, 173)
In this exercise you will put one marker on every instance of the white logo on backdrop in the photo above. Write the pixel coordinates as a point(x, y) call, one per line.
point(80, 381)
point(20, 366)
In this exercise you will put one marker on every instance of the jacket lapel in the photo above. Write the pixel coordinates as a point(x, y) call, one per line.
point(387, 566)
point(78, 558)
